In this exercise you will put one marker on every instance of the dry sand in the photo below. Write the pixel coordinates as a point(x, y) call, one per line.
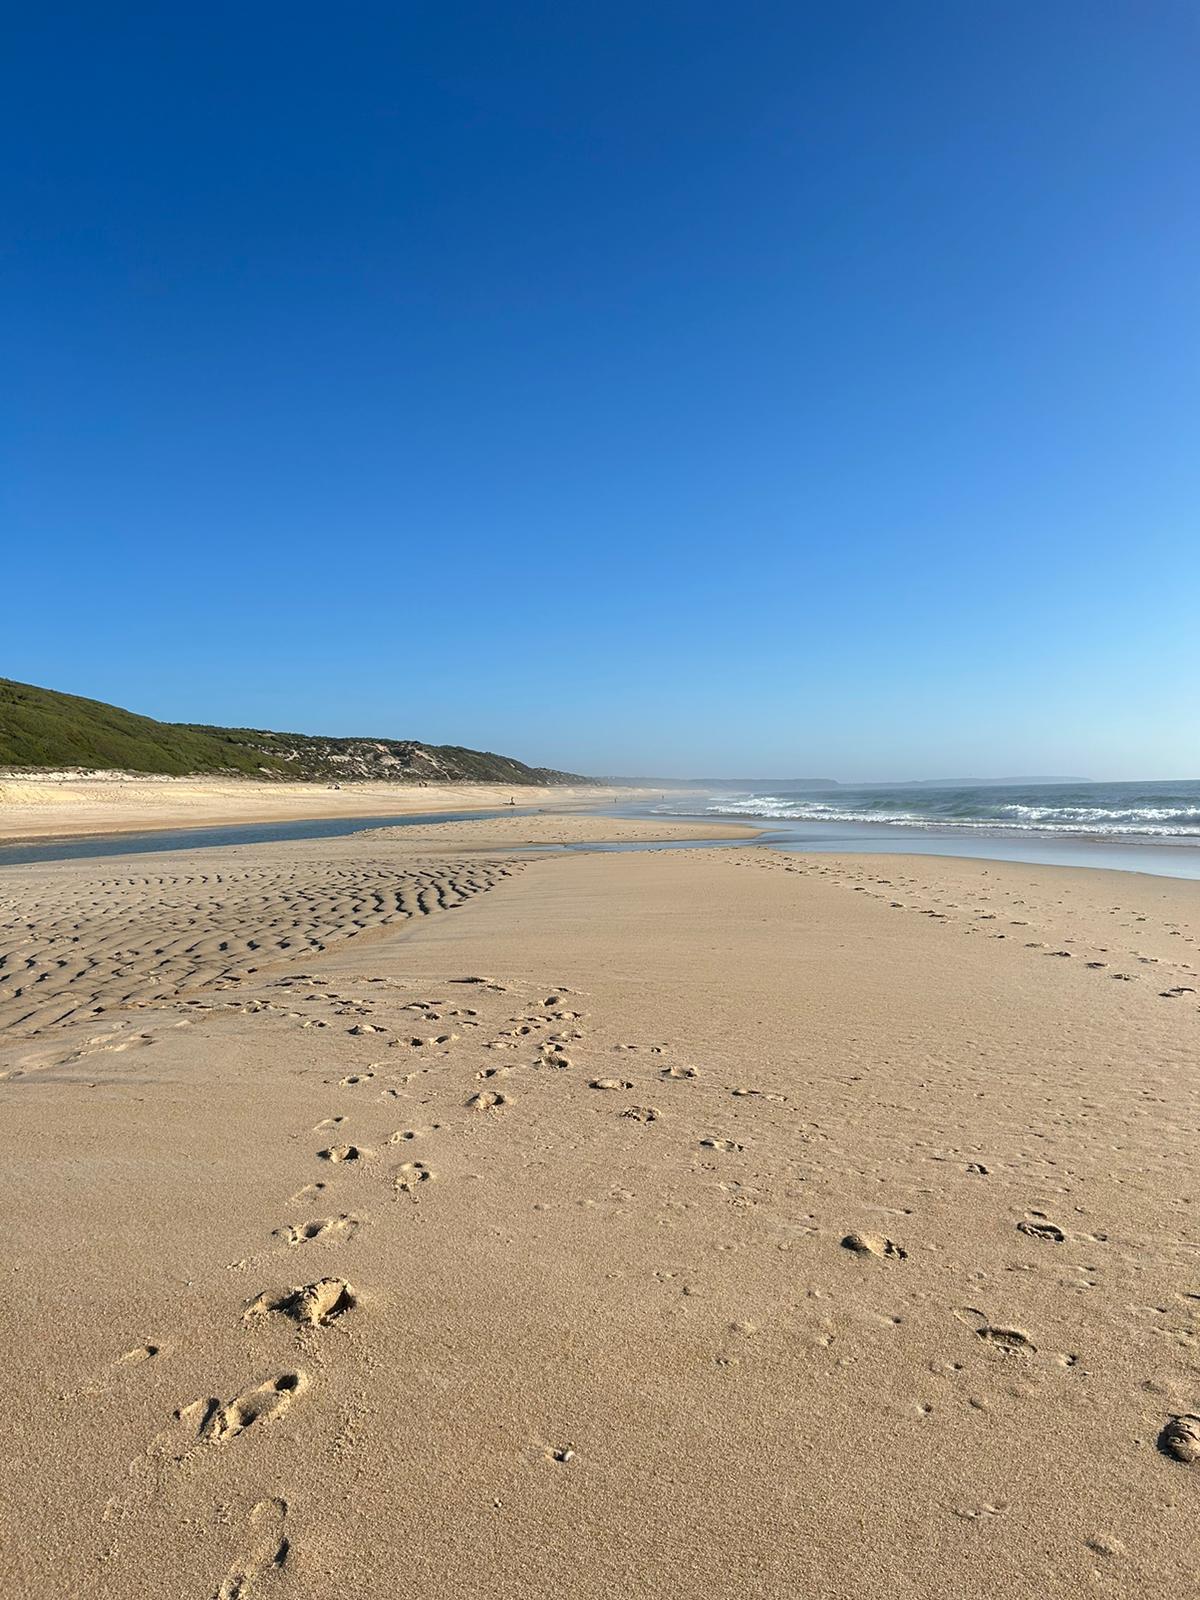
point(54, 805)
point(678, 1223)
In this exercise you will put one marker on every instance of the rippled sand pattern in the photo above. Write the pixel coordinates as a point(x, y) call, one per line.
point(74, 946)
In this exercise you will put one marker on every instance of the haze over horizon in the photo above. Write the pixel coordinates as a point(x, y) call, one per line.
point(654, 390)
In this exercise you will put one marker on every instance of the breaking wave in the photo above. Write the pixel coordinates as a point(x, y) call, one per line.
point(1165, 811)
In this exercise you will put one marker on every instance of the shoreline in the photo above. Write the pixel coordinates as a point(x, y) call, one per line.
point(965, 830)
point(1152, 860)
point(139, 830)
point(63, 809)
point(944, 829)
point(40, 809)
point(533, 829)
point(1162, 857)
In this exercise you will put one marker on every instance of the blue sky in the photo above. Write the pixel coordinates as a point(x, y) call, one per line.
point(635, 388)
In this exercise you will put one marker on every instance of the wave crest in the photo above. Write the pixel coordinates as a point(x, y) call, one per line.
point(975, 811)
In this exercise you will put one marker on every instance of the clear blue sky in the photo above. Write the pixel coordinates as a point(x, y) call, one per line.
point(636, 387)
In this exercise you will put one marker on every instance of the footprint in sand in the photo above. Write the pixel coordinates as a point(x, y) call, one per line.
point(610, 1083)
point(874, 1244)
point(216, 1422)
point(1106, 1544)
point(393, 1093)
point(976, 1513)
point(641, 1113)
point(409, 1176)
point(327, 1123)
point(679, 1072)
point(344, 1152)
point(488, 1100)
point(711, 1143)
point(1009, 1341)
point(140, 1353)
point(327, 1228)
point(354, 1078)
point(1180, 1439)
point(267, 1550)
point(1037, 1227)
point(139, 1041)
point(314, 1304)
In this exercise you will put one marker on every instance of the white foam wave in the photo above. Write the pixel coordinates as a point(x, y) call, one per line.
point(1160, 822)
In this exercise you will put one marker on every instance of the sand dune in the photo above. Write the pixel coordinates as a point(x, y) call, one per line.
point(705, 1223)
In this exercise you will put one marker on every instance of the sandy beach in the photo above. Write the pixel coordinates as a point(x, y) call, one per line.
point(681, 1222)
point(599, 805)
point(54, 805)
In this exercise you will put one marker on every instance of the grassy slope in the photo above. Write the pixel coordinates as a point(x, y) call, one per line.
point(43, 728)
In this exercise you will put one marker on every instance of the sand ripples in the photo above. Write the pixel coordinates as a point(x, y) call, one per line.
point(73, 946)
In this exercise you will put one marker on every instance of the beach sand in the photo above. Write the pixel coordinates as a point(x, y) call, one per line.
point(54, 805)
point(673, 1223)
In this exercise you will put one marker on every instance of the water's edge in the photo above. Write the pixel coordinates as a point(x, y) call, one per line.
point(81, 847)
point(1156, 859)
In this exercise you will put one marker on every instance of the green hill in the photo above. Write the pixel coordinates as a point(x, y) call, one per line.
point(42, 728)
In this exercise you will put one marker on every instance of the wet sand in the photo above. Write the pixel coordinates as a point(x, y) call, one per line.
point(681, 1222)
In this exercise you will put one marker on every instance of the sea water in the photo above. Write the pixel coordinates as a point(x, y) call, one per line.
point(1161, 810)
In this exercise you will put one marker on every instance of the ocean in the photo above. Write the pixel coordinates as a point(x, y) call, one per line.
point(1165, 810)
point(1130, 827)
